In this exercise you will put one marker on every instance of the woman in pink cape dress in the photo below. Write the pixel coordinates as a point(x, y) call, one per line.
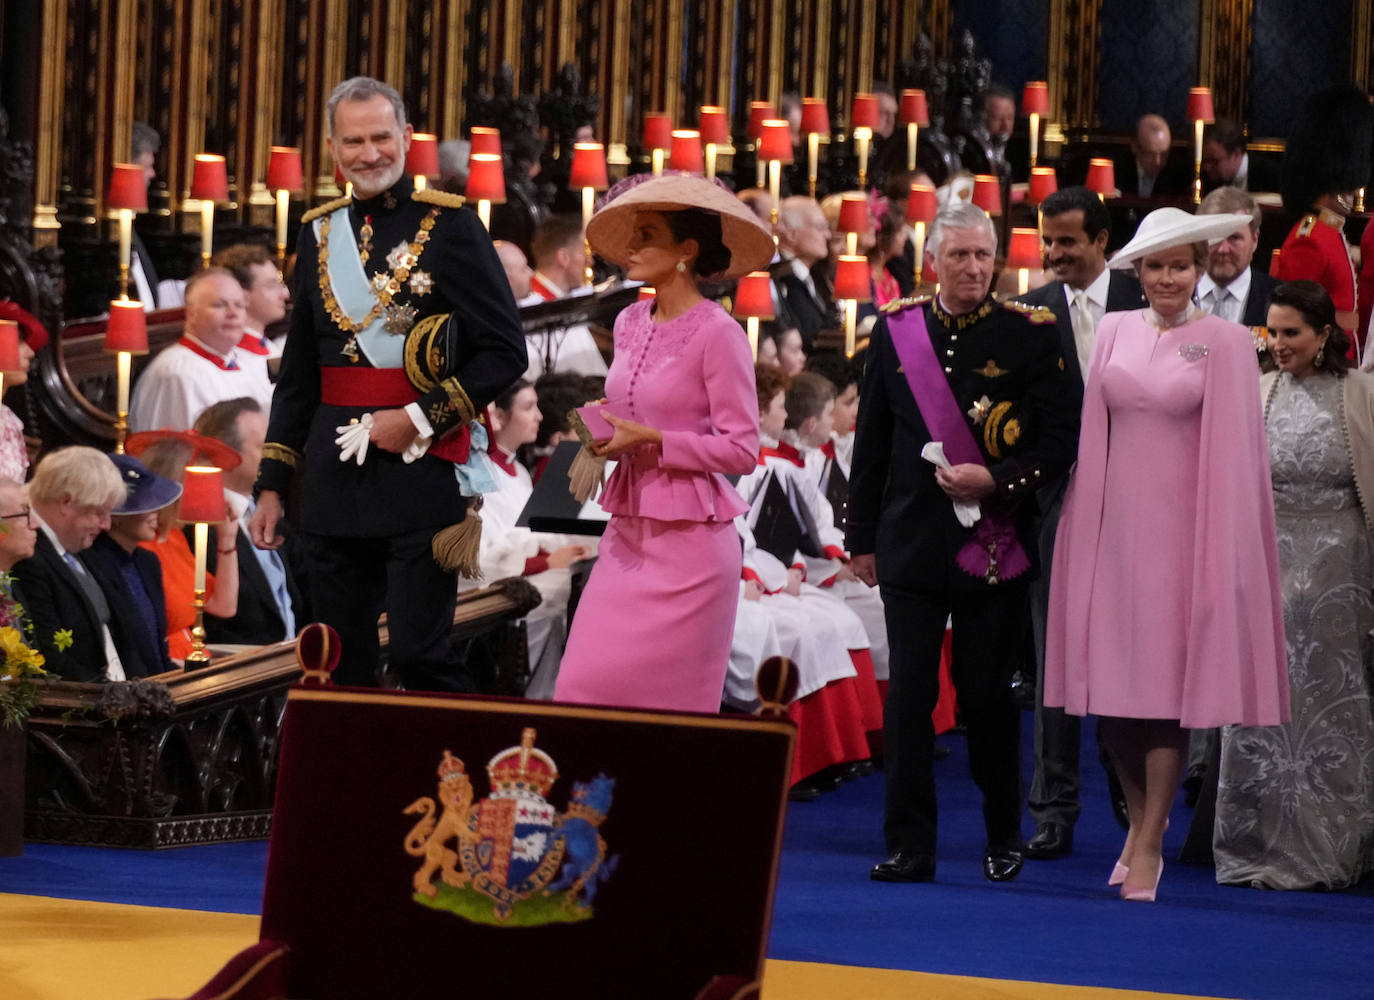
point(1165, 608)
point(653, 626)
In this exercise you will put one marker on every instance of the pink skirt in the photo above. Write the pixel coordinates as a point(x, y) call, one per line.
point(654, 625)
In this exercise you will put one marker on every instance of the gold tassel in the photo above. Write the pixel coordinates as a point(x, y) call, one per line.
point(457, 547)
point(586, 475)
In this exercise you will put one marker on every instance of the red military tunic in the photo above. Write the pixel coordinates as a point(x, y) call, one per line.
point(1315, 250)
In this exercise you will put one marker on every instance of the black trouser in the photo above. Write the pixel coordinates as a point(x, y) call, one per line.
point(989, 627)
point(1054, 786)
point(352, 580)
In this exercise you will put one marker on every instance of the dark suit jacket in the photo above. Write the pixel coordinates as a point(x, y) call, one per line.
point(258, 620)
point(103, 559)
point(810, 314)
point(1123, 293)
point(56, 601)
point(1175, 180)
point(1256, 309)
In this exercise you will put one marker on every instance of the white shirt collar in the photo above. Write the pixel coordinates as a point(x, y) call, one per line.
point(230, 356)
point(52, 535)
point(1240, 288)
point(1097, 291)
point(238, 503)
point(553, 286)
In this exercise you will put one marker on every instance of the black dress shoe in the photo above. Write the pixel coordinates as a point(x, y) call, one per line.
point(904, 866)
point(812, 788)
point(1002, 864)
point(1051, 840)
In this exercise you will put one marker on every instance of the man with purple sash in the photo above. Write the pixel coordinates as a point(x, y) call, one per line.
point(951, 535)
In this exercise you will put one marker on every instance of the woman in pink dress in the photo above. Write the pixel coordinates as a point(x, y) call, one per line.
point(654, 625)
point(1165, 609)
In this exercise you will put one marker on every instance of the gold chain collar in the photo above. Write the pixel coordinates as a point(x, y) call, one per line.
point(384, 285)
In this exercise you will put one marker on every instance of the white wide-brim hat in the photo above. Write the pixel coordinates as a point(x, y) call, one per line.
point(1172, 227)
point(748, 240)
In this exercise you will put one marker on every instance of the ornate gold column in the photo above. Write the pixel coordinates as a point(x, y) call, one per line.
point(820, 60)
point(1223, 54)
point(567, 32)
point(47, 164)
point(270, 38)
point(115, 102)
point(616, 153)
point(939, 22)
point(189, 134)
point(455, 69)
point(1362, 42)
point(867, 28)
point(725, 49)
point(777, 32)
point(512, 41)
point(672, 59)
point(395, 42)
point(1072, 65)
point(329, 23)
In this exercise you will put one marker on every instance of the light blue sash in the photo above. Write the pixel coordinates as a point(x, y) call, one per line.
point(354, 293)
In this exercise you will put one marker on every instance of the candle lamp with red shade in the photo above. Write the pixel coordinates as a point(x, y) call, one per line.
point(486, 184)
point(126, 334)
point(128, 194)
point(915, 113)
point(422, 160)
point(1035, 102)
point(863, 120)
point(920, 213)
point(284, 175)
point(759, 112)
point(853, 284)
point(1200, 113)
point(588, 173)
point(1101, 177)
point(775, 149)
point(1023, 254)
point(658, 138)
point(202, 504)
point(853, 219)
point(754, 302)
point(209, 184)
point(987, 194)
point(814, 124)
point(714, 126)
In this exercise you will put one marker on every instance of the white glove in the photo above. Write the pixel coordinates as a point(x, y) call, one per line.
point(967, 513)
point(415, 449)
point(353, 438)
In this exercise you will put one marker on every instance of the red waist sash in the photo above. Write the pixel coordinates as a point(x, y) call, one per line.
point(387, 387)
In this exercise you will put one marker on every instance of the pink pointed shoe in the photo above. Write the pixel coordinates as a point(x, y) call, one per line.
point(1144, 895)
point(1118, 876)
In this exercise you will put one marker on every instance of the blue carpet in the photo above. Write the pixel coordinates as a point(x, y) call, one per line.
point(1058, 923)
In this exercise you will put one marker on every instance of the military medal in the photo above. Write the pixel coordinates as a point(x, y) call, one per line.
point(979, 411)
point(399, 319)
point(420, 282)
point(400, 257)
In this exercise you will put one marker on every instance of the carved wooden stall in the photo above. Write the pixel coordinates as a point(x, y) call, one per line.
point(191, 758)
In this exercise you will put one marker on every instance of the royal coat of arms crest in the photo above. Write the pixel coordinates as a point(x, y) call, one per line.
point(511, 859)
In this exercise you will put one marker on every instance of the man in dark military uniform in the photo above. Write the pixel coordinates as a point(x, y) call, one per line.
point(1002, 365)
point(368, 269)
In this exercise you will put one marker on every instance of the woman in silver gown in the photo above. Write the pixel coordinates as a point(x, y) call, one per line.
point(1295, 805)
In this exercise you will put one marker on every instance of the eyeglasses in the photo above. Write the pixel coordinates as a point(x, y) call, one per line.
point(21, 514)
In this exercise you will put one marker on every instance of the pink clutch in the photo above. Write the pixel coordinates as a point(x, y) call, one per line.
point(597, 427)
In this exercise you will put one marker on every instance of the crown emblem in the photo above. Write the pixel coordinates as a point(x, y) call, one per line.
point(451, 768)
point(522, 770)
point(512, 849)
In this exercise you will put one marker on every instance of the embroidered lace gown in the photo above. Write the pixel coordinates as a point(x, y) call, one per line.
point(1295, 806)
point(653, 626)
point(1164, 596)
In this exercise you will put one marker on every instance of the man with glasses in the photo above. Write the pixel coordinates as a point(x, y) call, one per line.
point(265, 297)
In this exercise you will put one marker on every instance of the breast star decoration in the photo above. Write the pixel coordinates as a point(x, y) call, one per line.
point(978, 411)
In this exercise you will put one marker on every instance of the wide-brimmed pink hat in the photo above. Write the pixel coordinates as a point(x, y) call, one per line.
point(749, 242)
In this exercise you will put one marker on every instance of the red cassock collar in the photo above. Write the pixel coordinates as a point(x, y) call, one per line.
point(783, 450)
point(228, 365)
point(504, 462)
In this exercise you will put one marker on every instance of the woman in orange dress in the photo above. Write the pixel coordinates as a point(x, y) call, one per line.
point(167, 453)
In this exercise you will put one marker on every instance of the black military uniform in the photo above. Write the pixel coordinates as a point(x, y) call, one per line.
point(1004, 365)
point(367, 529)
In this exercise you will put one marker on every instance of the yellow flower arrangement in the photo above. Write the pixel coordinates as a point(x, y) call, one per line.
point(21, 672)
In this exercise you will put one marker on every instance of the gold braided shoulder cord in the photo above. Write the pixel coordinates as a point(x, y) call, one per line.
point(385, 285)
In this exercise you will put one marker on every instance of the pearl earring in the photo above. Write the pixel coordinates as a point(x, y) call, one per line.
point(682, 267)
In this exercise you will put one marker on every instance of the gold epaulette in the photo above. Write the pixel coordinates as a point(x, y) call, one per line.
point(1333, 219)
point(322, 210)
point(434, 197)
point(1036, 314)
point(1305, 227)
point(897, 305)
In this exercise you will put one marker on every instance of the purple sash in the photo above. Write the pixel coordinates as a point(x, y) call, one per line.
point(993, 552)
